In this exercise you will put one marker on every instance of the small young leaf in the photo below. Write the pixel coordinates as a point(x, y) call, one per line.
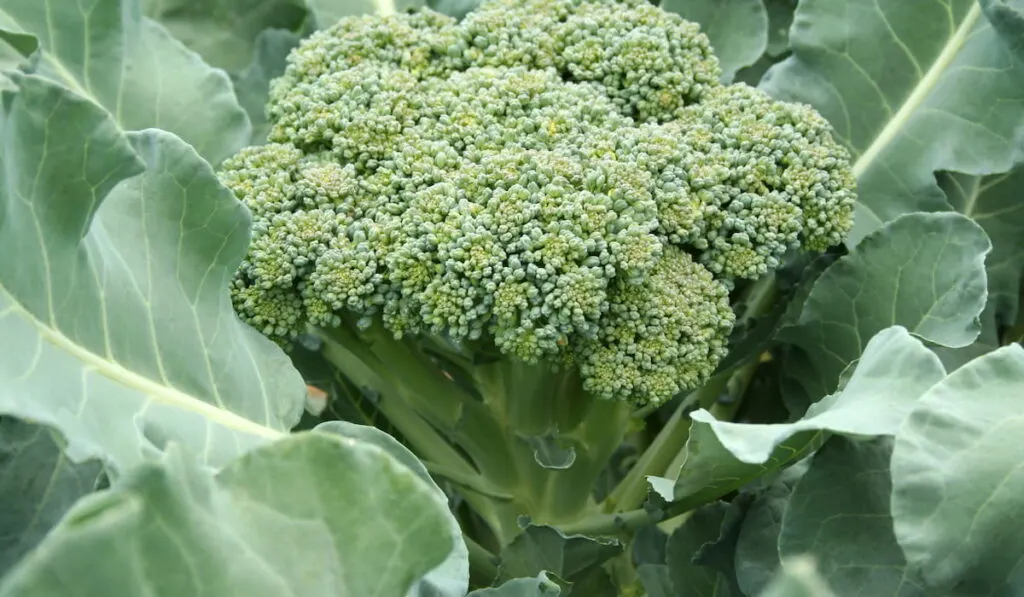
point(721, 456)
point(576, 559)
point(757, 547)
point(689, 578)
point(540, 586)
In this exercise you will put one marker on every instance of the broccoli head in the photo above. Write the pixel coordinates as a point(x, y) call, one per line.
point(566, 180)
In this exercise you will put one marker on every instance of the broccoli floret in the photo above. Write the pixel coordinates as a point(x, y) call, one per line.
point(565, 180)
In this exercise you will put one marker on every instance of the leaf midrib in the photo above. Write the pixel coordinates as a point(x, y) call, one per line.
point(145, 386)
point(920, 92)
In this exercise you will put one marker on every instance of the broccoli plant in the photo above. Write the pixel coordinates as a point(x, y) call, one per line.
point(511, 298)
point(520, 227)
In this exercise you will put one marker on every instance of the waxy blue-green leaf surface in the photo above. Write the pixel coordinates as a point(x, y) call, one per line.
point(575, 559)
point(798, 578)
point(911, 88)
point(106, 51)
point(310, 515)
point(840, 513)
point(738, 29)
point(958, 480)
point(451, 578)
point(327, 12)
point(118, 329)
point(38, 484)
point(224, 32)
point(924, 272)
point(722, 456)
point(996, 203)
point(252, 85)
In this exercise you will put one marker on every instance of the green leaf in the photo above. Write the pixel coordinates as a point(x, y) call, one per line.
point(131, 66)
point(327, 12)
point(925, 272)
point(309, 515)
point(38, 484)
point(994, 202)
point(957, 478)
point(13, 50)
point(576, 559)
point(688, 578)
point(549, 452)
point(798, 578)
point(749, 341)
point(722, 456)
point(451, 578)
point(253, 84)
point(541, 586)
point(987, 341)
point(738, 29)
point(118, 328)
point(224, 32)
point(911, 88)
point(780, 19)
point(656, 580)
point(757, 547)
point(454, 8)
point(839, 511)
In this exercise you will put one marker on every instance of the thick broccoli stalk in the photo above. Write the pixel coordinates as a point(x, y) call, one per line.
point(550, 200)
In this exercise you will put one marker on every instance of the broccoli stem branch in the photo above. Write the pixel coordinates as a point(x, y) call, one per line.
point(623, 522)
point(475, 483)
point(483, 569)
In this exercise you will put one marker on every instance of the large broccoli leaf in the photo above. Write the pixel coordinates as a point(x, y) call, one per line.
point(957, 478)
point(925, 272)
point(38, 483)
point(117, 325)
point(225, 32)
point(912, 88)
point(327, 12)
point(119, 334)
point(839, 511)
point(131, 66)
point(994, 202)
point(722, 456)
point(312, 515)
point(738, 29)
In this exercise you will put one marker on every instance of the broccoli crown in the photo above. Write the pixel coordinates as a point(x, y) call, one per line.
point(564, 178)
